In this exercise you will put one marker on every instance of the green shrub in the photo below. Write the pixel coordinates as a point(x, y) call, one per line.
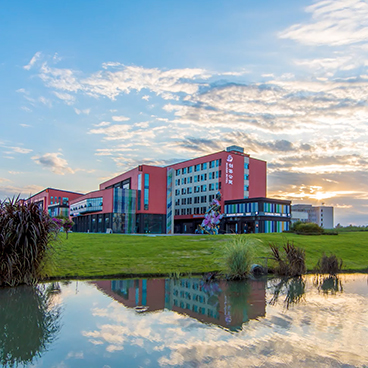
point(290, 261)
point(237, 257)
point(329, 264)
point(308, 228)
point(25, 235)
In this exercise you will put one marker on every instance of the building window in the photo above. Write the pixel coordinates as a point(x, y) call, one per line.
point(177, 192)
point(189, 211)
point(184, 180)
point(183, 191)
point(177, 202)
point(246, 188)
point(177, 212)
point(177, 172)
point(197, 189)
point(196, 210)
point(204, 166)
point(196, 199)
point(139, 192)
point(203, 199)
point(203, 188)
point(197, 167)
point(183, 201)
point(190, 169)
point(189, 200)
point(190, 179)
point(146, 191)
point(246, 166)
point(246, 177)
point(184, 170)
point(203, 209)
point(51, 200)
point(211, 186)
point(182, 212)
point(219, 185)
point(212, 164)
point(189, 190)
point(210, 198)
point(203, 177)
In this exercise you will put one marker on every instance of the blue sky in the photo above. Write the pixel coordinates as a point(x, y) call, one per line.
point(91, 89)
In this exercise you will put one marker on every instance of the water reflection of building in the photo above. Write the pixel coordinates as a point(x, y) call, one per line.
point(228, 304)
point(132, 293)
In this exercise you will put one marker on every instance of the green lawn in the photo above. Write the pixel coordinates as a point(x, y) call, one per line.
point(97, 255)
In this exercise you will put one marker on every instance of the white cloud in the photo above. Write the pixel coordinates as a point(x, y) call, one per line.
point(21, 150)
point(35, 57)
point(54, 162)
point(63, 79)
point(145, 97)
point(45, 101)
point(124, 79)
point(333, 23)
point(25, 125)
point(120, 118)
point(85, 111)
point(66, 97)
point(102, 124)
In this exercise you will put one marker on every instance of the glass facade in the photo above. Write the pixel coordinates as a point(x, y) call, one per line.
point(124, 211)
point(146, 192)
point(139, 194)
point(87, 205)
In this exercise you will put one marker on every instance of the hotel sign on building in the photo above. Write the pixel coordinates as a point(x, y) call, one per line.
point(229, 178)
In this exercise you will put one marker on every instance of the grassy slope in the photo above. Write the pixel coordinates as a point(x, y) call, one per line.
point(92, 255)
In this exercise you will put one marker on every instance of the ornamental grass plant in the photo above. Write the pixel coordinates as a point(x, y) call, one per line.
point(329, 264)
point(237, 257)
point(290, 261)
point(26, 233)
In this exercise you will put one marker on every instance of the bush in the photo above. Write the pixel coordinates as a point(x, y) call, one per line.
point(307, 228)
point(290, 262)
point(329, 264)
point(237, 257)
point(25, 235)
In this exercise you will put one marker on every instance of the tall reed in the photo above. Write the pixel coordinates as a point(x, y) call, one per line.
point(237, 257)
point(26, 232)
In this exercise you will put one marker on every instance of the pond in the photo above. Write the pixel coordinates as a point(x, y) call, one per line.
point(307, 322)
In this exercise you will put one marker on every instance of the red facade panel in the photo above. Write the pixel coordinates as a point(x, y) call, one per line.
point(257, 178)
point(46, 194)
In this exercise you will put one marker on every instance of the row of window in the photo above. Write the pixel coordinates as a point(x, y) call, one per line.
point(198, 188)
point(65, 200)
point(198, 199)
point(199, 177)
point(203, 166)
point(190, 211)
point(189, 296)
point(196, 309)
point(90, 203)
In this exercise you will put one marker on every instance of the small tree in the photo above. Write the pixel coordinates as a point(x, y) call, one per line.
point(63, 223)
point(67, 225)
